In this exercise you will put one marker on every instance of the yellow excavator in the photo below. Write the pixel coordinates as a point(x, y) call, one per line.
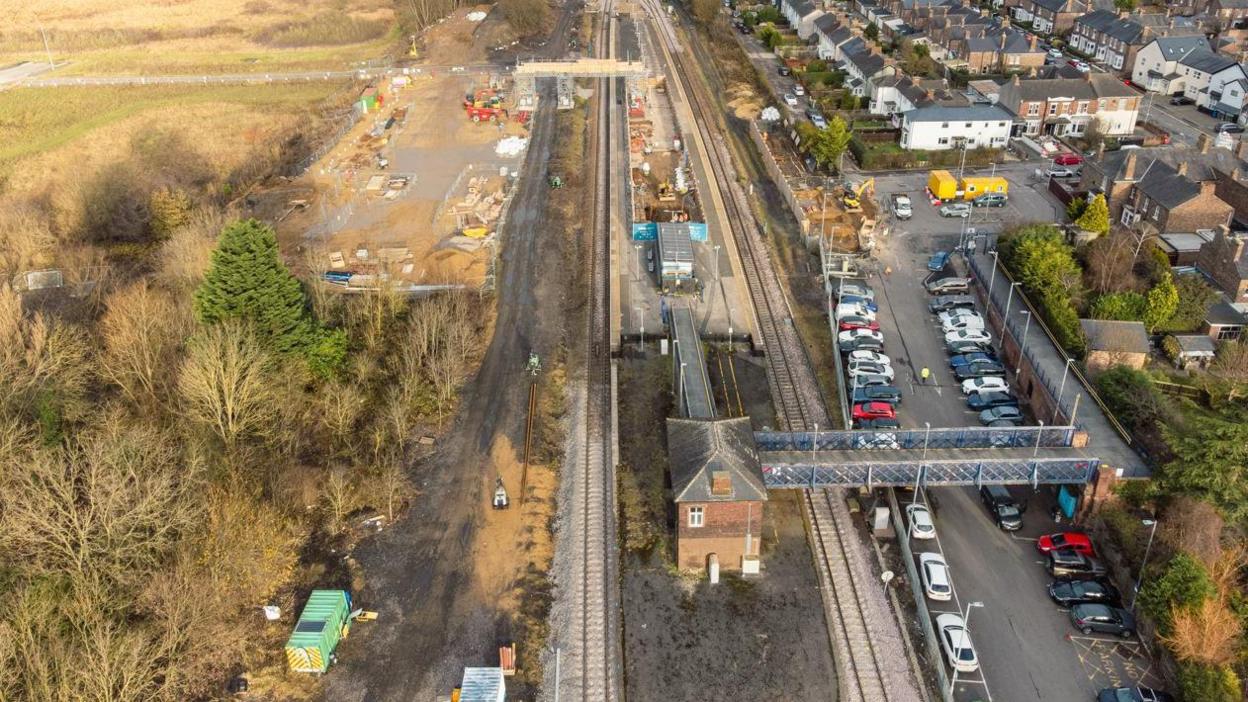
point(852, 199)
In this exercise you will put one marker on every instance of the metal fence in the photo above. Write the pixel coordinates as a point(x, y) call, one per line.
point(892, 473)
point(944, 438)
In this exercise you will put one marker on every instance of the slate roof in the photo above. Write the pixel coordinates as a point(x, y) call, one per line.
point(1110, 24)
point(1175, 48)
point(827, 24)
point(1089, 87)
point(802, 7)
point(1207, 61)
point(840, 36)
point(975, 113)
point(1163, 185)
point(1120, 337)
point(697, 448)
point(1223, 313)
point(867, 62)
point(1196, 344)
point(1052, 5)
point(855, 46)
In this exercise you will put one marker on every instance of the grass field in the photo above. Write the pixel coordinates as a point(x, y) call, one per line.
point(199, 36)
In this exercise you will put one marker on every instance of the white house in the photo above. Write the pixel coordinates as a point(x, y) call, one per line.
point(832, 35)
point(801, 15)
point(1157, 63)
point(863, 67)
point(939, 128)
point(1215, 81)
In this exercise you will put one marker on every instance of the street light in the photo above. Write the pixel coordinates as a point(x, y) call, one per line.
point(717, 262)
point(966, 635)
point(1009, 298)
point(1023, 345)
point(637, 263)
point(1062, 388)
point(993, 278)
point(1136, 593)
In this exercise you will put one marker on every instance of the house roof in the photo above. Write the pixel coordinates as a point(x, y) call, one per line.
point(1175, 48)
point(1195, 345)
point(974, 113)
point(1163, 185)
point(699, 448)
point(839, 36)
point(1089, 87)
point(1224, 314)
point(802, 7)
point(1207, 61)
point(826, 24)
point(867, 62)
point(1120, 337)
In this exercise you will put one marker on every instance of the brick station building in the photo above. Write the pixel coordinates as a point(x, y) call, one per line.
point(717, 485)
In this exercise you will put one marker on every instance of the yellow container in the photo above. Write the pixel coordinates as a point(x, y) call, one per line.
point(974, 187)
point(943, 185)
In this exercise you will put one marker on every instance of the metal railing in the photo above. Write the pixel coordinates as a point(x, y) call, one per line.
point(942, 438)
point(893, 473)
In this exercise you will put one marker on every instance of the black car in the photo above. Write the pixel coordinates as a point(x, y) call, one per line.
point(949, 302)
point(992, 398)
point(879, 423)
point(980, 369)
point(957, 347)
point(964, 359)
point(1001, 507)
point(862, 343)
point(1071, 565)
point(1229, 128)
point(877, 393)
point(1103, 619)
point(786, 71)
point(1133, 694)
point(1181, 100)
point(1068, 593)
point(989, 200)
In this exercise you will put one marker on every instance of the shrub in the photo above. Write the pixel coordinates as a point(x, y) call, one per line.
point(1204, 683)
point(326, 29)
point(1183, 584)
point(1120, 306)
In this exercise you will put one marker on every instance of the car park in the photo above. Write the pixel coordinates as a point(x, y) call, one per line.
point(1005, 513)
point(938, 261)
point(921, 525)
point(955, 641)
point(947, 285)
point(1061, 172)
point(935, 574)
point(1179, 100)
point(1103, 619)
point(1071, 565)
point(874, 410)
point(1068, 593)
point(956, 209)
point(853, 321)
point(989, 383)
point(992, 398)
point(870, 357)
point(877, 393)
point(979, 336)
point(982, 369)
point(1133, 694)
point(962, 347)
point(988, 416)
point(950, 302)
point(1069, 159)
point(989, 200)
point(859, 368)
point(1067, 540)
point(790, 99)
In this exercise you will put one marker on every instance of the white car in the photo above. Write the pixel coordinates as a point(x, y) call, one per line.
point(955, 641)
point(855, 289)
point(1081, 66)
point(957, 312)
point(790, 99)
point(1061, 172)
point(798, 90)
point(985, 384)
point(935, 574)
point(850, 335)
point(865, 368)
point(870, 357)
point(921, 526)
point(1055, 53)
point(978, 336)
point(966, 322)
point(846, 309)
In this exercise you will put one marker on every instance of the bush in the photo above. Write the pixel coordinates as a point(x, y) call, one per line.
point(1120, 306)
point(1183, 584)
point(1039, 257)
point(770, 14)
point(325, 29)
point(1203, 683)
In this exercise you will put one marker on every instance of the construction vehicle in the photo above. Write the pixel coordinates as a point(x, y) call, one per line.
point(852, 199)
point(555, 182)
point(500, 495)
point(485, 106)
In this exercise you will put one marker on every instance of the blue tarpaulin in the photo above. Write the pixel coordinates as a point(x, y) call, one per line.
point(1066, 500)
point(697, 231)
point(645, 231)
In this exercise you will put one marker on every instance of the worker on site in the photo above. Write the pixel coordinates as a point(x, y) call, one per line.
point(924, 374)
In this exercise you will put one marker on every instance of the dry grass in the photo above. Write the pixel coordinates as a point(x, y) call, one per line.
point(208, 36)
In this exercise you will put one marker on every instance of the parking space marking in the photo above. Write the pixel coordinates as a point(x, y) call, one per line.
point(1114, 662)
point(1023, 538)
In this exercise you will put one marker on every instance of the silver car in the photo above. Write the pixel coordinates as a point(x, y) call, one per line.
point(956, 209)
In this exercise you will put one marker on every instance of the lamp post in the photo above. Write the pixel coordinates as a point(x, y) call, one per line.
point(1022, 347)
point(1151, 532)
point(966, 631)
point(681, 383)
point(1008, 299)
point(1062, 388)
point(637, 263)
point(717, 262)
point(992, 279)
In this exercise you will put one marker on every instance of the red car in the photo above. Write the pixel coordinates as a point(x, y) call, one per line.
point(1068, 160)
point(874, 410)
point(1066, 541)
point(852, 322)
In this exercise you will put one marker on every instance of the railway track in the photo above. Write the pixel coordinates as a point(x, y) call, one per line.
point(864, 675)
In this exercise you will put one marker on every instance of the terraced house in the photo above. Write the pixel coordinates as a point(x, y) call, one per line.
point(1050, 16)
point(1108, 38)
point(1067, 106)
point(1156, 66)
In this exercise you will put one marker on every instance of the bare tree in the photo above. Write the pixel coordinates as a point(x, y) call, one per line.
point(1109, 265)
point(224, 383)
point(143, 332)
point(186, 254)
point(340, 496)
point(340, 407)
point(1193, 526)
point(38, 354)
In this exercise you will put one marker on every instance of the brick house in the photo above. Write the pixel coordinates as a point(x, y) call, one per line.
point(1165, 200)
point(1114, 344)
point(1050, 16)
point(717, 487)
point(1227, 12)
point(1225, 261)
point(1112, 173)
point(1225, 321)
point(1066, 106)
point(1106, 37)
point(1001, 51)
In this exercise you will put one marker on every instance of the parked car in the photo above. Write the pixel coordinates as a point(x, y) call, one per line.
point(799, 90)
point(854, 321)
point(870, 379)
point(859, 368)
point(1229, 128)
point(878, 423)
point(856, 289)
point(1006, 513)
point(1066, 540)
point(860, 343)
point(854, 308)
point(935, 574)
point(1133, 694)
point(992, 398)
point(957, 323)
point(963, 359)
point(988, 416)
point(957, 312)
point(982, 369)
point(1080, 66)
point(1103, 619)
point(867, 303)
point(1006, 423)
point(859, 333)
point(947, 285)
point(1178, 100)
point(877, 393)
point(816, 118)
point(901, 207)
point(1068, 160)
point(877, 441)
point(956, 209)
point(950, 302)
point(921, 526)
point(1072, 565)
point(874, 410)
point(1061, 172)
point(990, 200)
point(960, 347)
point(870, 357)
point(1055, 53)
point(790, 99)
point(955, 641)
point(988, 383)
point(786, 71)
point(938, 261)
point(978, 336)
point(1068, 593)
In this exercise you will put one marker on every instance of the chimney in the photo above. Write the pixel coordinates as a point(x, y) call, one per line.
point(1128, 169)
point(1236, 174)
point(721, 483)
point(1033, 42)
point(1241, 151)
point(1207, 187)
point(1202, 143)
point(1016, 80)
point(1183, 169)
point(1002, 40)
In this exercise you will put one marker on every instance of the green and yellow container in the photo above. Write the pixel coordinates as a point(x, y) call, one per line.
point(324, 622)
